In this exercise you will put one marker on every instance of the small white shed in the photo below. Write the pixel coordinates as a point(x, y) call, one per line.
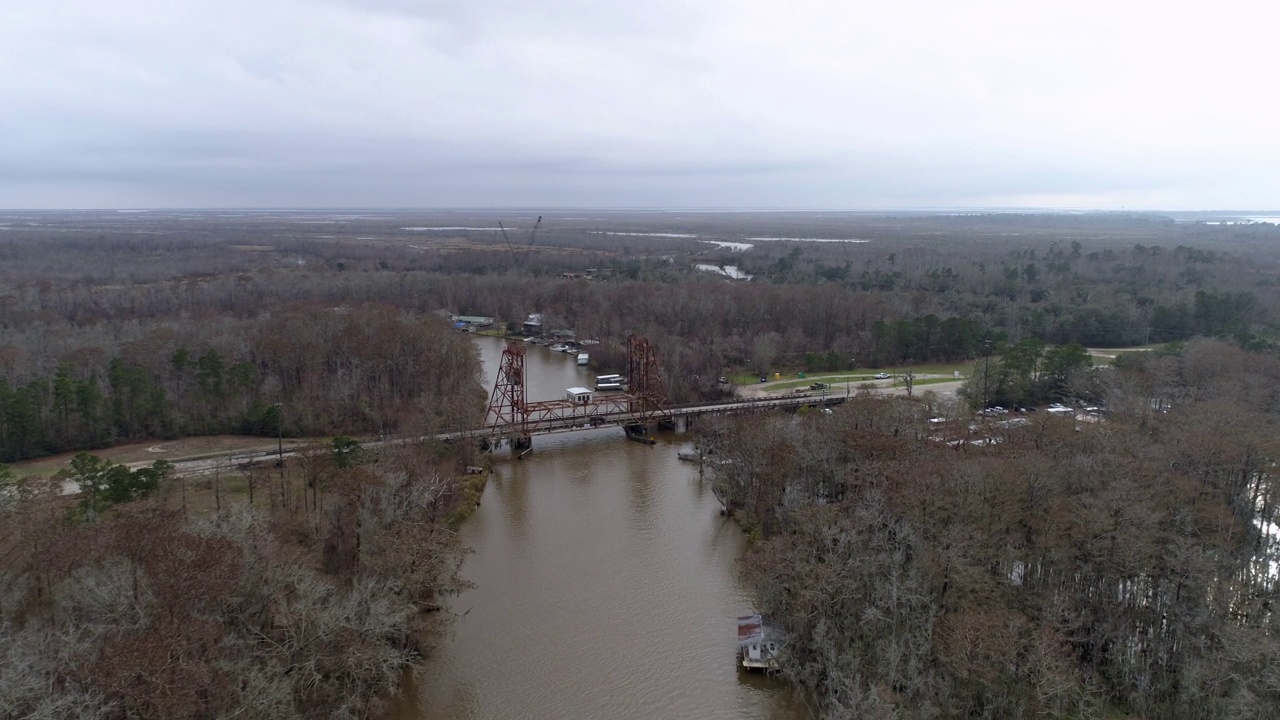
point(579, 395)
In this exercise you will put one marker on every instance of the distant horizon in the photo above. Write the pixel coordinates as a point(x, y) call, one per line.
point(961, 210)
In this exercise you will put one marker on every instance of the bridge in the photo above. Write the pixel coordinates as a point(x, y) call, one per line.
point(639, 410)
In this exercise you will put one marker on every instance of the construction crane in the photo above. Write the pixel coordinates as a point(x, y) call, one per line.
point(510, 249)
point(533, 238)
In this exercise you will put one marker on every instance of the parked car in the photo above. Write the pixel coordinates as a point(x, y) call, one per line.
point(819, 386)
point(724, 380)
point(764, 378)
point(882, 376)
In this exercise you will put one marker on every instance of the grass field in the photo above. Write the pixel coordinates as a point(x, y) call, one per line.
point(790, 381)
point(838, 382)
point(937, 381)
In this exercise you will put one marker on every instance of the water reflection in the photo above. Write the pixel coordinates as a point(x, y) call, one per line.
point(641, 496)
point(510, 483)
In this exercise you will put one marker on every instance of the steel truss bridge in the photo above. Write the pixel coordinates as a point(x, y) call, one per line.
point(639, 410)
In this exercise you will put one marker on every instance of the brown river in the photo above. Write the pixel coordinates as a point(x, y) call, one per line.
point(605, 585)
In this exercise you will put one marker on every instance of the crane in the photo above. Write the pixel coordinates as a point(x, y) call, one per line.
point(533, 235)
point(533, 238)
point(510, 249)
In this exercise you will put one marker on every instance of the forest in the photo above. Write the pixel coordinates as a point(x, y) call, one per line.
point(124, 327)
point(1057, 568)
point(1051, 567)
point(298, 370)
point(130, 599)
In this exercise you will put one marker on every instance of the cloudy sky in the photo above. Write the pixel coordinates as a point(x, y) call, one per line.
point(674, 103)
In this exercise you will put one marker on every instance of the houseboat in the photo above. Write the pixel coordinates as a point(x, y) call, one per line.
point(609, 382)
point(759, 644)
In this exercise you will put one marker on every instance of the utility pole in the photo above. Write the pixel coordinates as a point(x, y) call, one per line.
point(986, 370)
point(280, 438)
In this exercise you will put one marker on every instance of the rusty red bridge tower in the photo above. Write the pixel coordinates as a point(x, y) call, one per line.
point(507, 407)
point(512, 418)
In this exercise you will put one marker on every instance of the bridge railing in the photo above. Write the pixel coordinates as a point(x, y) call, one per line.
point(553, 423)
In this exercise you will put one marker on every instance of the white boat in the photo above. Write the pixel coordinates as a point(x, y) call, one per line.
point(609, 382)
point(694, 456)
point(558, 347)
point(583, 358)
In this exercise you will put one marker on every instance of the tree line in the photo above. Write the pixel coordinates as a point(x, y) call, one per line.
point(302, 369)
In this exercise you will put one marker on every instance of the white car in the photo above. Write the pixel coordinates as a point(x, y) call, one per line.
point(882, 376)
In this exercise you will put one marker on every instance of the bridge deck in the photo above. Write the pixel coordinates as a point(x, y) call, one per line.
point(553, 417)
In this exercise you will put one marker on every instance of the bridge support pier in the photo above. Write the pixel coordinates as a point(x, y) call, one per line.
point(521, 443)
point(639, 433)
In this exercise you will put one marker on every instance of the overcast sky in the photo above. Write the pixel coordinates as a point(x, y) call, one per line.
point(675, 103)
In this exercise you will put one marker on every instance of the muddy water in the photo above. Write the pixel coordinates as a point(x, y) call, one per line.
point(605, 586)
